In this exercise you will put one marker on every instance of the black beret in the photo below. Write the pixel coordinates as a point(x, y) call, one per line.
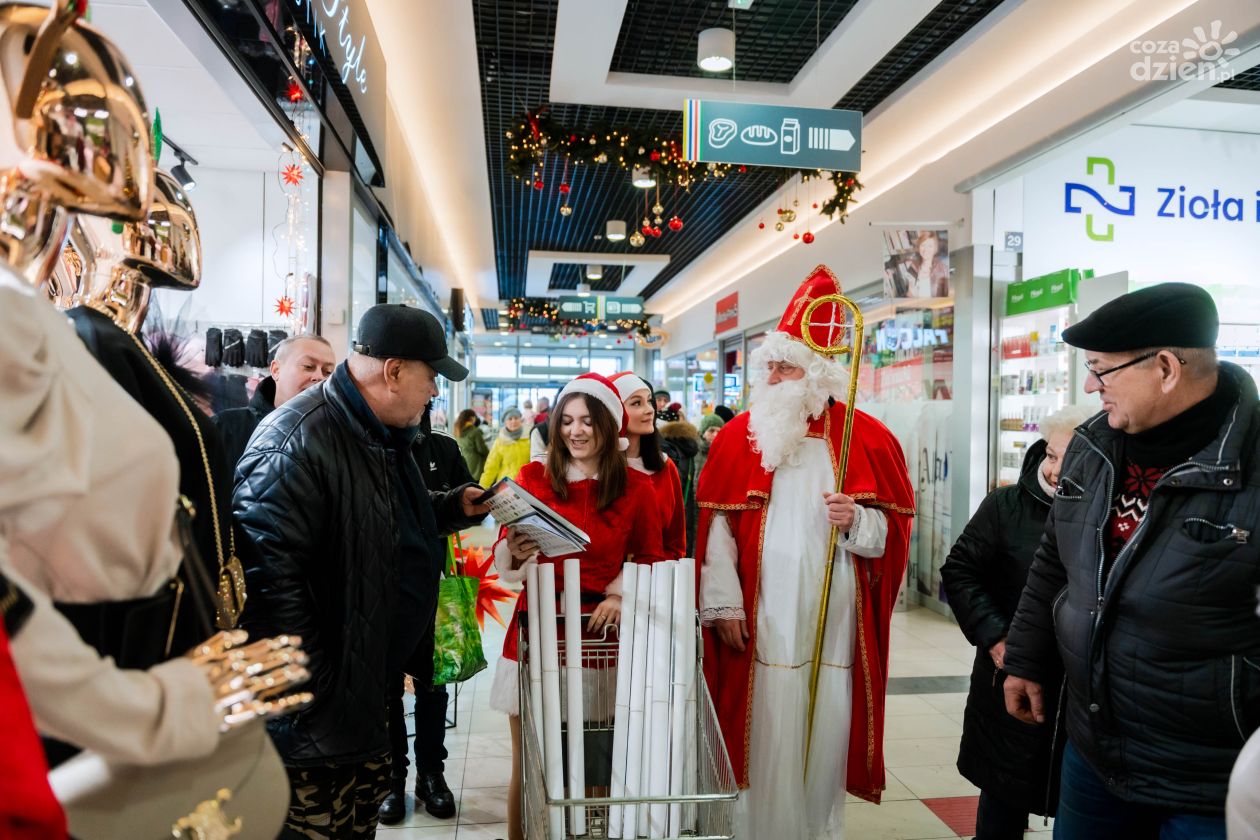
point(1167, 315)
point(398, 331)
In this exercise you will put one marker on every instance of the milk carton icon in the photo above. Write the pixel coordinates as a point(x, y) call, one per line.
point(790, 136)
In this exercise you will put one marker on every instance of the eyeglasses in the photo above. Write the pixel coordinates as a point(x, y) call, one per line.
point(1099, 374)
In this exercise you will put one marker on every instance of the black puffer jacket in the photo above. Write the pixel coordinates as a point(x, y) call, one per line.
point(315, 492)
point(1163, 654)
point(984, 576)
point(236, 425)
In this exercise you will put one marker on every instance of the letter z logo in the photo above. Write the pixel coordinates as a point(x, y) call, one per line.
point(1070, 198)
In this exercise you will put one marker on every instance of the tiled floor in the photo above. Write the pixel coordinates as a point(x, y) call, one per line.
point(926, 798)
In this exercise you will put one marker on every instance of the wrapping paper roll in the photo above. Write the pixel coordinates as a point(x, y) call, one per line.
point(573, 672)
point(683, 671)
point(553, 750)
point(638, 703)
point(691, 717)
point(535, 645)
point(662, 649)
point(621, 714)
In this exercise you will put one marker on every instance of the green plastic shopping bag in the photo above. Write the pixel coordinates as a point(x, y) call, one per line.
point(457, 653)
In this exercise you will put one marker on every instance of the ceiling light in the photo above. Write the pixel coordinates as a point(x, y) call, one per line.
point(503, 332)
point(572, 346)
point(498, 344)
point(529, 344)
point(584, 290)
point(180, 173)
point(594, 272)
point(615, 230)
point(642, 178)
point(607, 346)
point(715, 50)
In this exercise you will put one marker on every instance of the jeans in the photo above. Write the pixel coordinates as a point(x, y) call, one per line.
point(1088, 811)
point(430, 720)
point(998, 820)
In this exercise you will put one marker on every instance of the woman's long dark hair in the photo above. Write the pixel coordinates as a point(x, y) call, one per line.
point(650, 451)
point(611, 464)
point(465, 418)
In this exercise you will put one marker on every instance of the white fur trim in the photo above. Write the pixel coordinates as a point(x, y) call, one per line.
point(629, 383)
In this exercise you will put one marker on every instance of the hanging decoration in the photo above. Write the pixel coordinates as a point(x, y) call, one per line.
point(285, 307)
point(292, 174)
point(534, 135)
point(542, 315)
point(636, 240)
point(478, 563)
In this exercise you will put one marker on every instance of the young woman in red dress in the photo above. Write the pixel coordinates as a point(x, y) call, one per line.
point(585, 479)
point(645, 456)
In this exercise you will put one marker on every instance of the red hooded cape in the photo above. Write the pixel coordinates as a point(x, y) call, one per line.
point(735, 484)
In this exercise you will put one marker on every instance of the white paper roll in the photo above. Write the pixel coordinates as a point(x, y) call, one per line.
point(658, 715)
point(638, 702)
point(535, 645)
point(684, 668)
point(573, 672)
point(553, 749)
point(621, 712)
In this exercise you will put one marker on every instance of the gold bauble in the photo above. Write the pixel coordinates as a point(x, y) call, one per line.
point(565, 210)
point(778, 226)
point(658, 209)
point(636, 240)
point(789, 216)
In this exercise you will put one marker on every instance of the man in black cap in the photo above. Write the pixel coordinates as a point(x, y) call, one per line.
point(1145, 579)
point(349, 555)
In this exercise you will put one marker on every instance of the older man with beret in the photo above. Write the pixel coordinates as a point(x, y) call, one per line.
point(1145, 578)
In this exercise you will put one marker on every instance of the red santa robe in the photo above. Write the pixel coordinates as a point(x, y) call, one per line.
point(735, 484)
point(667, 486)
point(629, 528)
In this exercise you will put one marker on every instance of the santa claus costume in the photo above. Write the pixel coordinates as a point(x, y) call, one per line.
point(627, 528)
point(645, 455)
point(762, 542)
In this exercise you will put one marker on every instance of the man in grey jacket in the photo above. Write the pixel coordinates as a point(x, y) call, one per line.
point(1146, 575)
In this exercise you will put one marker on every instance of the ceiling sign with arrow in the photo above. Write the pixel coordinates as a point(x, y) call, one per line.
point(772, 135)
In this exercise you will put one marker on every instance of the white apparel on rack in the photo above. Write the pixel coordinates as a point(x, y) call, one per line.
point(548, 649)
point(796, 533)
point(573, 695)
point(621, 719)
point(88, 487)
point(658, 719)
point(635, 737)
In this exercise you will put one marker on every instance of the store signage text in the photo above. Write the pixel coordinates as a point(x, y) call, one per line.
point(772, 135)
point(321, 15)
point(1171, 202)
point(910, 338)
point(726, 315)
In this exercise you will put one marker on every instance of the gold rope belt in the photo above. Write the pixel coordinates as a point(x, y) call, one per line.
point(761, 661)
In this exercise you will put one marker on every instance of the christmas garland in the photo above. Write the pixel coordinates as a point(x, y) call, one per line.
point(520, 310)
point(535, 137)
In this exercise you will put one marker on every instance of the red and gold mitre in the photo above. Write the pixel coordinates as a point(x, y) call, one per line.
point(827, 323)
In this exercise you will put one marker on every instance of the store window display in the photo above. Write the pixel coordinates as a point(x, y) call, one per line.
point(87, 474)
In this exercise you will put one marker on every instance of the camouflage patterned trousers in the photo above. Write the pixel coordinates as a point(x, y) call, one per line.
point(336, 801)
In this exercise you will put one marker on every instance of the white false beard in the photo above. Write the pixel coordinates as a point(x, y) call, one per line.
point(779, 418)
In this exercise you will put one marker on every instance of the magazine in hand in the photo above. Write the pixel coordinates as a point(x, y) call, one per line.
point(511, 504)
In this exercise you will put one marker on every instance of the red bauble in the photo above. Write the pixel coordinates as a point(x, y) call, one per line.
point(572, 138)
point(656, 232)
point(675, 224)
point(655, 155)
point(761, 226)
point(815, 205)
point(564, 189)
point(538, 185)
point(807, 237)
point(647, 230)
point(743, 169)
point(796, 236)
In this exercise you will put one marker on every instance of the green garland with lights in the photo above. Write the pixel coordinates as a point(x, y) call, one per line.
point(535, 137)
point(545, 309)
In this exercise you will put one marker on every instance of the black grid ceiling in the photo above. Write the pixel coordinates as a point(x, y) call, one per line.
point(568, 275)
point(515, 39)
point(773, 39)
point(1246, 80)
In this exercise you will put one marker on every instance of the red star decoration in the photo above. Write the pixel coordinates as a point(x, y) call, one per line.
point(478, 563)
point(292, 174)
point(284, 306)
point(294, 93)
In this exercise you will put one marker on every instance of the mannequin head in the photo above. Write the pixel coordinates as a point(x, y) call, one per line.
point(134, 258)
point(79, 139)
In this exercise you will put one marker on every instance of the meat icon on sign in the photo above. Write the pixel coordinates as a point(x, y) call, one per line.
point(721, 131)
point(760, 135)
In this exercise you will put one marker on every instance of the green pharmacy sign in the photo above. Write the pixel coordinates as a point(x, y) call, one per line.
point(1045, 292)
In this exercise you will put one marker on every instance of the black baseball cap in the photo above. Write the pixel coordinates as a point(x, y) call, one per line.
point(398, 331)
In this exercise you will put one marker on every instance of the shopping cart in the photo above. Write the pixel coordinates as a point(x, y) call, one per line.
point(708, 807)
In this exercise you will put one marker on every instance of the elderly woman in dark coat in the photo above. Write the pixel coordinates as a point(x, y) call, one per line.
point(1012, 763)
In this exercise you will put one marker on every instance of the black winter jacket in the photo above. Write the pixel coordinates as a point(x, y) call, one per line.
point(1163, 653)
point(984, 576)
point(315, 492)
point(236, 425)
point(681, 442)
